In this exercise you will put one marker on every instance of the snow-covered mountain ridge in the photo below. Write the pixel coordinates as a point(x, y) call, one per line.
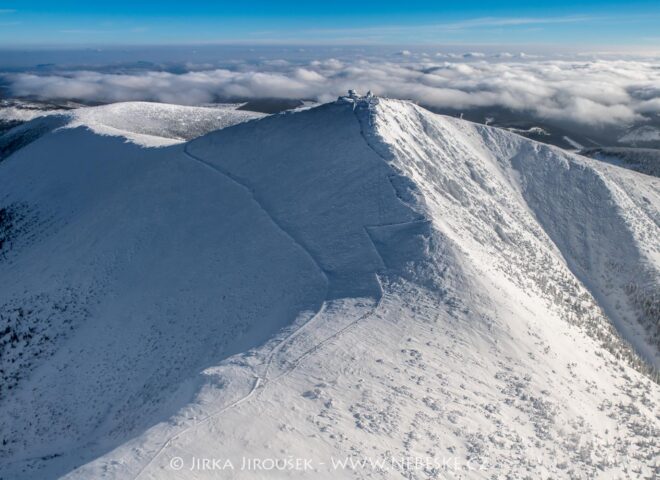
point(582, 205)
point(363, 278)
point(143, 123)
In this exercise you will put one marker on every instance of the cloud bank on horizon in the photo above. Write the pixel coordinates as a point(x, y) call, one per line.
point(590, 92)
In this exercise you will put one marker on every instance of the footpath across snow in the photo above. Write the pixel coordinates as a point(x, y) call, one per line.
point(363, 280)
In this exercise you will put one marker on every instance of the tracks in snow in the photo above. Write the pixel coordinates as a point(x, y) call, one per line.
point(262, 379)
point(295, 363)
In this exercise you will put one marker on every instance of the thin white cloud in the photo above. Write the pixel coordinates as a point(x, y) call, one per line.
point(593, 92)
point(75, 31)
point(515, 21)
point(469, 24)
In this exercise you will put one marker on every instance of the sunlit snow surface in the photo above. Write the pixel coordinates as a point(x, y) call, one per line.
point(157, 124)
point(362, 279)
point(143, 123)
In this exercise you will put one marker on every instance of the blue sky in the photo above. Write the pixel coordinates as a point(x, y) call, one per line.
point(120, 22)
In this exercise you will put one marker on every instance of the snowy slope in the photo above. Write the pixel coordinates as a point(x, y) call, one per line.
point(603, 220)
point(156, 124)
point(143, 123)
point(362, 279)
point(644, 160)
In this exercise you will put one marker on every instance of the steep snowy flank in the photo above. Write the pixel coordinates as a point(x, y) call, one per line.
point(603, 220)
point(369, 287)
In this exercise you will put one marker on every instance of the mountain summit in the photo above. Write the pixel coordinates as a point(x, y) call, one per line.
point(362, 279)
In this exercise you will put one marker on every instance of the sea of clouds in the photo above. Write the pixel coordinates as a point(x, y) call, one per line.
point(590, 91)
